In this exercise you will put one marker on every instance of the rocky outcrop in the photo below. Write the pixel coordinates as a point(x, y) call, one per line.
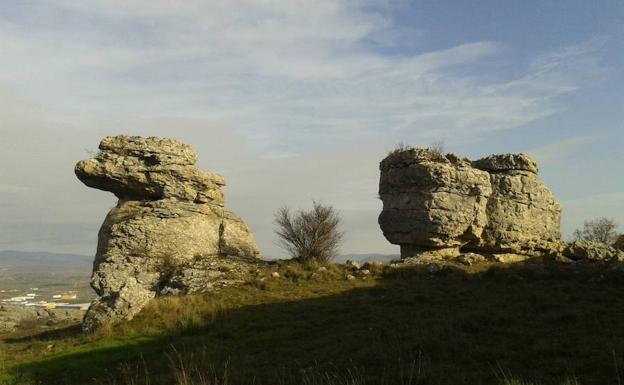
point(592, 252)
point(440, 204)
point(169, 232)
point(619, 243)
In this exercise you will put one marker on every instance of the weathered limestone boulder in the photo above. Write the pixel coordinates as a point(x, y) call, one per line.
point(523, 215)
point(437, 205)
point(169, 232)
point(432, 201)
point(592, 252)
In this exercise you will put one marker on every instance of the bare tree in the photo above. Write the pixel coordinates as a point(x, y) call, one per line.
point(598, 230)
point(309, 235)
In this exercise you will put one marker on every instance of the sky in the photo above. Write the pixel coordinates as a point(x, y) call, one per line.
point(294, 101)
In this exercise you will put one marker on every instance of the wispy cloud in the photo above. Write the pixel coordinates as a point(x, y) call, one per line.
point(560, 149)
point(296, 72)
point(10, 190)
point(295, 94)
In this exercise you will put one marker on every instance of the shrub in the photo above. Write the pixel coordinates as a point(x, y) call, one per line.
point(601, 230)
point(309, 235)
point(437, 147)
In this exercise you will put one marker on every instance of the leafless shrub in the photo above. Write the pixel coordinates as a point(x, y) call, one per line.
point(437, 147)
point(601, 230)
point(309, 235)
point(399, 148)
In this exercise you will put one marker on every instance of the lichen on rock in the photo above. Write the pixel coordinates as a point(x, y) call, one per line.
point(169, 232)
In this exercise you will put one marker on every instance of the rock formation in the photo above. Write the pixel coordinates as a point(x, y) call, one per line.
point(432, 201)
point(592, 252)
point(443, 204)
point(169, 232)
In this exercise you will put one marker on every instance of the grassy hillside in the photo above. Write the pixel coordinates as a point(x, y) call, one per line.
point(509, 325)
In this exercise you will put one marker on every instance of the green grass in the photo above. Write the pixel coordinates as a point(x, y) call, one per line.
point(528, 325)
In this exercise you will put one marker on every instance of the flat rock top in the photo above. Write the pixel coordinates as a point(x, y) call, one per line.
point(492, 163)
point(506, 162)
point(160, 150)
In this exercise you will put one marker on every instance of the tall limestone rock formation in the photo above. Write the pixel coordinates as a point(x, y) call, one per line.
point(443, 204)
point(169, 232)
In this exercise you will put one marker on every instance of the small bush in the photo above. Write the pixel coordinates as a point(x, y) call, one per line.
point(309, 235)
point(437, 147)
point(399, 148)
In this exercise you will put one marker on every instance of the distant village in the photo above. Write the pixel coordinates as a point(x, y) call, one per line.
point(66, 300)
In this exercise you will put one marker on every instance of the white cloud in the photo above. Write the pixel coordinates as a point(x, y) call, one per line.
point(284, 69)
point(290, 100)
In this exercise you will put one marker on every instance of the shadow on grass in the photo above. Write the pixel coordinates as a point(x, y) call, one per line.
point(49, 335)
point(535, 323)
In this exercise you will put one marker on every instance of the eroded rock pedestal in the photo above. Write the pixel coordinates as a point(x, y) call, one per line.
point(169, 232)
point(442, 205)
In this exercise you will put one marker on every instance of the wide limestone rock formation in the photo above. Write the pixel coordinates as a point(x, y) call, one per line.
point(432, 201)
point(443, 205)
point(169, 232)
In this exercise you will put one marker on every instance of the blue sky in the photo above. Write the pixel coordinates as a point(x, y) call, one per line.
point(299, 100)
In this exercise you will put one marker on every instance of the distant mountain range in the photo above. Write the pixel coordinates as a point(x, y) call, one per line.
point(12, 262)
point(24, 261)
point(362, 258)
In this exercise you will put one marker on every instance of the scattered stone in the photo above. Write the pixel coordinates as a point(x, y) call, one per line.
point(13, 317)
point(275, 274)
point(322, 269)
point(373, 265)
point(509, 258)
point(470, 259)
point(350, 277)
point(560, 258)
point(355, 265)
point(169, 232)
